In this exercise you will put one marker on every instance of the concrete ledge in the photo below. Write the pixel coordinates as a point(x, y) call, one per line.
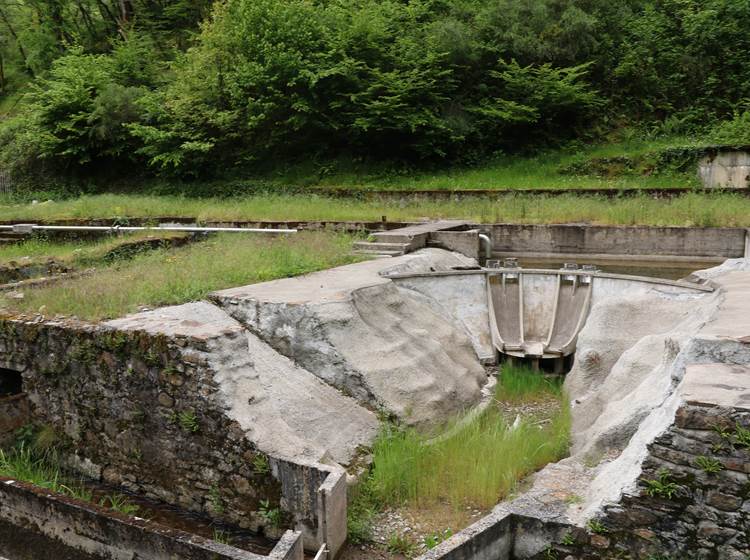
point(66, 528)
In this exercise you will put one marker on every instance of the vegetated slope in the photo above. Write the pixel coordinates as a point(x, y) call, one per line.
point(166, 277)
point(693, 209)
point(194, 89)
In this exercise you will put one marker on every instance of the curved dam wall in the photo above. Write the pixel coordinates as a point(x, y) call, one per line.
point(526, 312)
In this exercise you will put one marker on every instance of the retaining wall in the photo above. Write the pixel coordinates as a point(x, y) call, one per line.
point(141, 412)
point(14, 413)
point(721, 243)
point(35, 523)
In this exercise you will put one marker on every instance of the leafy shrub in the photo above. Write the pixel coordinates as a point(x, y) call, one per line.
point(379, 78)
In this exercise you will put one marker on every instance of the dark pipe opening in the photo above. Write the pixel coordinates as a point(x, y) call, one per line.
point(555, 366)
point(11, 383)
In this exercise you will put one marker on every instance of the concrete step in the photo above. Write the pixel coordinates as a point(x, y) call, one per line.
point(380, 253)
point(378, 246)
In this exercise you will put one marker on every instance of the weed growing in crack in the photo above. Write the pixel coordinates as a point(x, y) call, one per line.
point(709, 465)
point(401, 544)
point(434, 539)
point(119, 503)
point(214, 498)
point(597, 527)
point(662, 486)
point(261, 465)
point(741, 436)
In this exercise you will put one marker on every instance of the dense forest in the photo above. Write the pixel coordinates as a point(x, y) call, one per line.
point(192, 88)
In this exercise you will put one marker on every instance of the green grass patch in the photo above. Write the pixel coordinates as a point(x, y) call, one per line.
point(168, 277)
point(478, 463)
point(40, 469)
point(28, 464)
point(76, 253)
point(520, 384)
point(693, 209)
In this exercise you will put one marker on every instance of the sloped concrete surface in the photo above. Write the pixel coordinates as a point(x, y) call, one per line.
point(286, 410)
point(359, 332)
point(627, 385)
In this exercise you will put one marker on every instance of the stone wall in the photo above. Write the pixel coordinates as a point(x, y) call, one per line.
point(141, 412)
point(707, 515)
point(14, 413)
point(37, 524)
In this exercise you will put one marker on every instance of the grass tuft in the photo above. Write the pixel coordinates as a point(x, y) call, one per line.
point(518, 384)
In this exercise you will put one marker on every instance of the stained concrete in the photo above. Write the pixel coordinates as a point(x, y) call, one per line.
point(358, 331)
point(727, 168)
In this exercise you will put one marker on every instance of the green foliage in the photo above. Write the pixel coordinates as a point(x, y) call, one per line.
point(273, 515)
point(119, 503)
point(741, 436)
point(40, 468)
point(516, 384)
point(662, 486)
point(260, 465)
point(401, 544)
point(187, 274)
point(433, 539)
point(274, 78)
point(685, 56)
point(222, 537)
point(188, 421)
point(709, 465)
point(734, 131)
point(194, 87)
point(215, 499)
point(363, 507)
point(597, 527)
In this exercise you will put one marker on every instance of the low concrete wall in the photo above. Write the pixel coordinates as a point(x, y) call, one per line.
point(618, 240)
point(727, 168)
point(490, 538)
point(14, 413)
point(37, 524)
point(464, 242)
point(316, 495)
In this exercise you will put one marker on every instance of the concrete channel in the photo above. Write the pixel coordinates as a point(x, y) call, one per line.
point(260, 398)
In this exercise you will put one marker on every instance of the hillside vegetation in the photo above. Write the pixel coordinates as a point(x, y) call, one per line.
point(194, 88)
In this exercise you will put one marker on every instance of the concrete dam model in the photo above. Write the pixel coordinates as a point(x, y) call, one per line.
point(268, 397)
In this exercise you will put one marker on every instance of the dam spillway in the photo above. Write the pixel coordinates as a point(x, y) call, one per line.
point(535, 315)
point(528, 313)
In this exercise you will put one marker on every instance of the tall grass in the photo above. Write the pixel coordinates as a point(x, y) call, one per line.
point(477, 465)
point(166, 277)
point(40, 469)
point(521, 384)
point(694, 209)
